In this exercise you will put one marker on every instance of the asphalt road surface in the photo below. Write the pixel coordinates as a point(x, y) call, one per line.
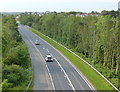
point(60, 74)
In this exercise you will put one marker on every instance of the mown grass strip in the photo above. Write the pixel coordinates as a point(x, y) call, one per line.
point(98, 82)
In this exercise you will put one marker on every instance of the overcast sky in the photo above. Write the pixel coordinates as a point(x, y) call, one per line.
point(57, 5)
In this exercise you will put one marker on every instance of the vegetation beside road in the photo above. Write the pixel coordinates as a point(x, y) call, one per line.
point(94, 38)
point(94, 78)
point(15, 57)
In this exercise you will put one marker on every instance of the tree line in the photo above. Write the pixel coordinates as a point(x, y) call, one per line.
point(15, 57)
point(95, 38)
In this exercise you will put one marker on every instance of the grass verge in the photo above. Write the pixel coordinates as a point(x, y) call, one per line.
point(97, 81)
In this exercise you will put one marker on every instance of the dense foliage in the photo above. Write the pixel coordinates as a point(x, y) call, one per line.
point(95, 38)
point(15, 57)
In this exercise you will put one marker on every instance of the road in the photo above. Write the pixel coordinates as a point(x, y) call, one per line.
point(60, 74)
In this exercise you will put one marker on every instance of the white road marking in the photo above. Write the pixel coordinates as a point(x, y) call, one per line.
point(46, 66)
point(69, 85)
point(50, 77)
point(84, 78)
point(65, 75)
point(89, 84)
point(47, 50)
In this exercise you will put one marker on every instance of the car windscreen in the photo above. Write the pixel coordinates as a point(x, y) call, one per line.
point(49, 57)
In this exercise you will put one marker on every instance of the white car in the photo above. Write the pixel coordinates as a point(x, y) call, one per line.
point(48, 58)
point(37, 43)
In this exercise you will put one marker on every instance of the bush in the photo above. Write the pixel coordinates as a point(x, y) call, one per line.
point(6, 85)
point(15, 56)
point(18, 55)
point(15, 74)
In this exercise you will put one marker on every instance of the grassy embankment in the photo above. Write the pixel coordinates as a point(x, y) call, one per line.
point(98, 82)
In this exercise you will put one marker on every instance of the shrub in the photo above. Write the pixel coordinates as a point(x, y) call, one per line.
point(15, 74)
point(18, 55)
point(5, 84)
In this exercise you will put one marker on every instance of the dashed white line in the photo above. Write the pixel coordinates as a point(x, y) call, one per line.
point(46, 66)
point(50, 77)
point(47, 50)
point(84, 78)
point(66, 75)
point(89, 84)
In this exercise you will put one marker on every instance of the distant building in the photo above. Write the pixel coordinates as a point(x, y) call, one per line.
point(71, 14)
point(86, 14)
point(81, 15)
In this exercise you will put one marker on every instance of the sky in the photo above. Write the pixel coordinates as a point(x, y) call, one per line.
point(57, 5)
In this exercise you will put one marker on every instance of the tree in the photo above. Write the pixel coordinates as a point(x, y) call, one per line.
point(15, 74)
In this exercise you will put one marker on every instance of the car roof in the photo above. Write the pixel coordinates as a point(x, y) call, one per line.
point(48, 55)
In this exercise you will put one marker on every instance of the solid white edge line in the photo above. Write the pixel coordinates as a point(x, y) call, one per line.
point(82, 60)
point(50, 76)
point(84, 78)
point(89, 84)
point(46, 66)
point(85, 62)
point(66, 75)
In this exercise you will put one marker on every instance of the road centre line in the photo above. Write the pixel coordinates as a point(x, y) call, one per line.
point(47, 50)
point(88, 83)
point(86, 80)
point(65, 75)
point(46, 66)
